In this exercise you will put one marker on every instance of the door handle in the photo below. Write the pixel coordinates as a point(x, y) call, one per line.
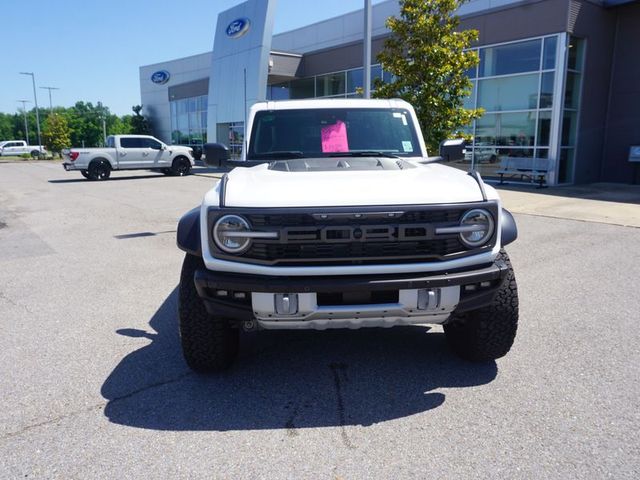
point(145, 154)
point(122, 154)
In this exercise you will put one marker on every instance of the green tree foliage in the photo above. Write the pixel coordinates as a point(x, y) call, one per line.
point(139, 124)
point(428, 58)
point(56, 134)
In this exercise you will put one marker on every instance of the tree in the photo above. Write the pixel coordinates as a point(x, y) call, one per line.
point(428, 58)
point(139, 124)
point(56, 134)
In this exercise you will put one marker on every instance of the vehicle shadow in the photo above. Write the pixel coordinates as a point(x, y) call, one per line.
point(196, 171)
point(112, 178)
point(286, 379)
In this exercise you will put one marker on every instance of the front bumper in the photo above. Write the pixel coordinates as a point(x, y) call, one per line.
point(241, 298)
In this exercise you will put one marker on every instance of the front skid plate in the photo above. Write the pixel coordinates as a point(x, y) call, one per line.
point(351, 323)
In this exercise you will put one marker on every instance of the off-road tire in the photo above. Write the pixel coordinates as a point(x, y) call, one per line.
point(487, 333)
point(84, 173)
point(180, 167)
point(99, 170)
point(209, 343)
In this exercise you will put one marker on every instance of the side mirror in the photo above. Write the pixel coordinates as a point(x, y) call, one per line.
point(215, 154)
point(452, 150)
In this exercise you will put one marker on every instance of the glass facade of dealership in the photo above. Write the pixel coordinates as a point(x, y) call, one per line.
point(345, 84)
point(527, 115)
point(189, 121)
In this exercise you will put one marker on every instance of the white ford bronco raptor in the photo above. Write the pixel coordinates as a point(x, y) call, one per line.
point(341, 220)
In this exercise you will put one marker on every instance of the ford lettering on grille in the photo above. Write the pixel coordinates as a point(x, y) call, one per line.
point(358, 233)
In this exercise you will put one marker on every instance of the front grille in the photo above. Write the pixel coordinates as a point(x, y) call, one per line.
point(354, 253)
point(337, 236)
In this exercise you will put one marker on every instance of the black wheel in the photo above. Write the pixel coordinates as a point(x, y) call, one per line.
point(209, 343)
point(84, 173)
point(35, 153)
point(487, 333)
point(99, 170)
point(180, 167)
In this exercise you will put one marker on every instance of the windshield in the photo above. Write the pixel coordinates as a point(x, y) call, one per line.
point(306, 133)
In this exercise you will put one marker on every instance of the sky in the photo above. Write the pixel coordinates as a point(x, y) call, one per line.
point(91, 49)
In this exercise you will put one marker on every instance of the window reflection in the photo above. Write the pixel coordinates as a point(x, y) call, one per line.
point(510, 93)
point(189, 121)
point(506, 129)
point(511, 58)
point(549, 59)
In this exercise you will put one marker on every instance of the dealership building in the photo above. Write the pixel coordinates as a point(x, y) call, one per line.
point(559, 80)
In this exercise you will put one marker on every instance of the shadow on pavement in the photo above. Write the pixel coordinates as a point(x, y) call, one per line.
point(112, 178)
point(286, 380)
point(116, 177)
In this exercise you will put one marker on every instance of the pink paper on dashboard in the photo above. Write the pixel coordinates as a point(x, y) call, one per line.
point(334, 137)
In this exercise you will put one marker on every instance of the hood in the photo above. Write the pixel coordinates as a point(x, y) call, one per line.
point(425, 184)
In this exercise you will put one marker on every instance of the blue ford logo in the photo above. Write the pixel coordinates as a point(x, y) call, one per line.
point(238, 27)
point(160, 77)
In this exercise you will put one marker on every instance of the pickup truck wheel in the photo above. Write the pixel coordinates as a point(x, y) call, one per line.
point(84, 173)
point(180, 167)
point(487, 333)
point(99, 170)
point(35, 153)
point(209, 344)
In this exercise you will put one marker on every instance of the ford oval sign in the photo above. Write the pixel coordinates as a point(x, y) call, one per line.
point(238, 27)
point(160, 77)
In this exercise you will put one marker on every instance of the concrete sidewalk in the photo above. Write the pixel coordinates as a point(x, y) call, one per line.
point(612, 203)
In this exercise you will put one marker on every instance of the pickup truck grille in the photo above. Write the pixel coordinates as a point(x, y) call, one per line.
point(358, 236)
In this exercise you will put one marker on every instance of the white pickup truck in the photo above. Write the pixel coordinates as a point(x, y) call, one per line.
point(129, 152)
point(20, 147)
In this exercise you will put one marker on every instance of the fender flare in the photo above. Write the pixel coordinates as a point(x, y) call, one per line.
point(188, 234)
point(509, 231)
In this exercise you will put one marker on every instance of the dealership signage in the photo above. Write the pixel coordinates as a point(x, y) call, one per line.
point(238, 27)
point(160, 77)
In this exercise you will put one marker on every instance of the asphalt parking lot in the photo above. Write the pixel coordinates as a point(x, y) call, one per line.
point(93, 384)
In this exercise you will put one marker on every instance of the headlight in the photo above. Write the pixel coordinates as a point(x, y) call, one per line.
point(228, 234)
point(476, 227)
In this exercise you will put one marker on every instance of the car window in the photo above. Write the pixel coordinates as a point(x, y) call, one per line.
point(151, 143)
point(131, 142)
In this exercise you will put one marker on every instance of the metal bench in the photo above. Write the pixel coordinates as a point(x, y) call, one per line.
point(535, 169)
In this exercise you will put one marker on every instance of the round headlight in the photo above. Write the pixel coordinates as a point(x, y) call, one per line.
point(227, 233)
point(477, 227)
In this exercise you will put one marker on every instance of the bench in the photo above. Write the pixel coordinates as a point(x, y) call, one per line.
point(534, 168)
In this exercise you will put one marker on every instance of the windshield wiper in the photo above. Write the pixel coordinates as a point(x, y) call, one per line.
point(278, 155)
point(367, 153)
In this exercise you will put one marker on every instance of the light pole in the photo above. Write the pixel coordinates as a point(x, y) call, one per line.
point(35, 98)
point(50, 103)
point(102, 118)
point(24, 112)
point(367, 49)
